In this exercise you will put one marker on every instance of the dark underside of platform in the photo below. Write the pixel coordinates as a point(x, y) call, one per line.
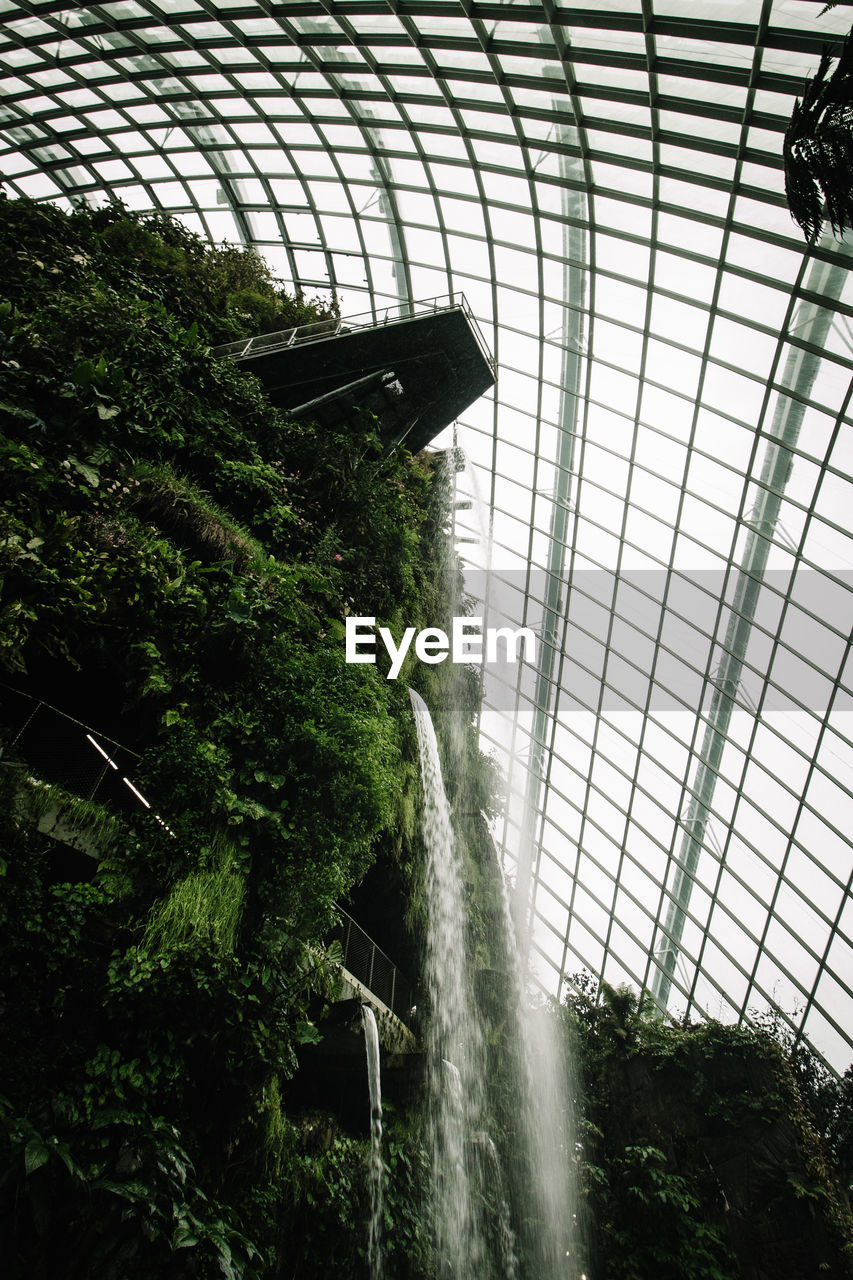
point(417, 375)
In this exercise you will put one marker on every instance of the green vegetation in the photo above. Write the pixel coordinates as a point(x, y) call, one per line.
point(177, 564)
point(818, 146)
point(701, 1155)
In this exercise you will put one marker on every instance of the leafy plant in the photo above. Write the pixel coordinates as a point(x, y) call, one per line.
point(699, 1148)
point(818, 148)
point(178, 562)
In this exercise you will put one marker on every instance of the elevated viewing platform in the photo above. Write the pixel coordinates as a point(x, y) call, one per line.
point(417, 368)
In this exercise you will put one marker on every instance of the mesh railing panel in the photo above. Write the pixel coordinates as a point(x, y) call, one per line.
point(370, 965)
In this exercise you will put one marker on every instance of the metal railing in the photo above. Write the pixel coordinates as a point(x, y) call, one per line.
point(373, 969)
point(319, 330)
point(267, 343)
point(57, 748)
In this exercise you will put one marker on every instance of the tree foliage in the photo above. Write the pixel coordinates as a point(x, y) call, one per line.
point(818, 148)
point(704, 1151)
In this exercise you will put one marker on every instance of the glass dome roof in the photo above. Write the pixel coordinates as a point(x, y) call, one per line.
point(660, 483)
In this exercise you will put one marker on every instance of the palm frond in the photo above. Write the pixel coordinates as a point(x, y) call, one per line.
point(818, 148)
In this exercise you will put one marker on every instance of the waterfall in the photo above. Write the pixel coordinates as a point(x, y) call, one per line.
point(493, 1188)
point(546, 1123)
point(473, 1223)
point(454, 1051)
point(375, 1168)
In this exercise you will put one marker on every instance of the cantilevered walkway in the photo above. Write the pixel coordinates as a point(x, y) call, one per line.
point(417, 367)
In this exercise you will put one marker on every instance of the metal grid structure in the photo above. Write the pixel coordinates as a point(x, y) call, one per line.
point(660, 483)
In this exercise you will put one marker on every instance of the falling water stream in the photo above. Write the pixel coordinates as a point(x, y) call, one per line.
point(493, 1184)
point(454, 1051)
point(375, 1168)
point(546, 1121)
point(466, 1167)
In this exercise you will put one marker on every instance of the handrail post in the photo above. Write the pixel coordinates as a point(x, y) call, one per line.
point(27, 723)
point(100, 779)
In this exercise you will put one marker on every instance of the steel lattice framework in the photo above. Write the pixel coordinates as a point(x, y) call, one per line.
point(661, 482)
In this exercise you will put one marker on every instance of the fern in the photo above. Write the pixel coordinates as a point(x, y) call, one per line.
point(818, 148)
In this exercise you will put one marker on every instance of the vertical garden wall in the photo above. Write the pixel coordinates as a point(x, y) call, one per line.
point(178, 561)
